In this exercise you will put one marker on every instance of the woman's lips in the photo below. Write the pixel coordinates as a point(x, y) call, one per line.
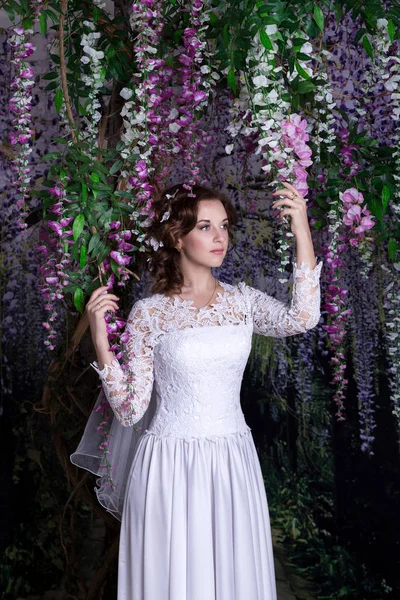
point(217, 251)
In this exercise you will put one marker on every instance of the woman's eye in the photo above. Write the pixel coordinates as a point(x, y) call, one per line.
point(224, 225)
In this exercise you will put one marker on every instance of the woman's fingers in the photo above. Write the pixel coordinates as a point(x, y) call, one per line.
point(101, 292)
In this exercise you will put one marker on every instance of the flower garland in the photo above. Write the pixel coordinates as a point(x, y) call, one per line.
point(93, 80)
point(54, 270)
point(359, 220)
point(193, 98)
point(20, 106)
point(323, 134)
point(365, 329)
point(282, 136)
point(388, 68)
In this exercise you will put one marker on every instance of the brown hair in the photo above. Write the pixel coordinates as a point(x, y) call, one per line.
point(183, 207)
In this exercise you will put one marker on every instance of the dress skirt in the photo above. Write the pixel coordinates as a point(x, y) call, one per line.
point(195, 523)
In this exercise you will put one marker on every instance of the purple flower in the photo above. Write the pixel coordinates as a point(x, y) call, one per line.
point(119, 258)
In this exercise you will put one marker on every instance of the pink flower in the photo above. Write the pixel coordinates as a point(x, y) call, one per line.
point(119, 258)
point(300, 173)
point(352, 196)
point(366, 224)
point(353, 215)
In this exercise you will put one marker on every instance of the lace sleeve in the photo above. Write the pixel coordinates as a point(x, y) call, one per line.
point(274, 318)
point(130, 406)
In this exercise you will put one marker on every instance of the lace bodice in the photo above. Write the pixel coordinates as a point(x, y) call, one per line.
point(195, 357)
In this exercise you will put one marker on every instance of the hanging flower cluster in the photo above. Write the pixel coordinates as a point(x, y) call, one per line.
point(193, 98)
point(294, 138)
point(356, 216)
point(391, 304)
point(20, 106)
point(337, 314)
point(281, 137)
point(140, 116)
point(387, 66)
point(93, 80)
point(323, 134)
point(120, 254)
point(54, 270)
point(359, 220)
point(37, 6)
point(346, 154)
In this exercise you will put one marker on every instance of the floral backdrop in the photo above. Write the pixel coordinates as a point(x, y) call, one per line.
point(105, 104)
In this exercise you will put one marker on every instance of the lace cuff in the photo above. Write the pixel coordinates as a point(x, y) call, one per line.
point(304, 270)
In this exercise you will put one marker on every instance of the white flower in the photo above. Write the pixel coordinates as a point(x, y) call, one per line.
point(382, 23)
point(173, 114)
point(258, 99)
point(229, 148)
point(260, 81)
point(126, 93)
point(174, 127)
point(165, 216)
point(306, 48)
point(272, 96)
point(271, 29)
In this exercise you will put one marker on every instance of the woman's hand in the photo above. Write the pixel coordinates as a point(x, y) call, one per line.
point(100, 301)
point(297, 211)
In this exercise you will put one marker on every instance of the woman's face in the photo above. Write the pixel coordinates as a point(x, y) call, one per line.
point(210, 233)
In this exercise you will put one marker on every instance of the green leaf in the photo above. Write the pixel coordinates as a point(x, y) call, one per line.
point(265, 40)
point(43, 23)
point(96, 14)
point(58, 100)
point(359, 35)
point(82, 257)
point(232, 80)
point(367, 46)
point(115, 267)
point(78, 225)
point(95, 178)
point(319, 17)
point(305, 87)
point(50, 76)
point(319, 224)
point(392, 248)
point(116, 166)
point(385, 196)
point(301, 71)
point(376, 209)
point(78, 299)
point(214, 20)
point(84, 193)
point(52, 86)
point(50, 156)
point(303, 57)
point(93, 241)
point(391, 30)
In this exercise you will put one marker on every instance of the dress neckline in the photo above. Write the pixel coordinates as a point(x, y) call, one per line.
point(176, 301)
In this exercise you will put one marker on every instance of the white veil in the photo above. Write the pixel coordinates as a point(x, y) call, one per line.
point(122, 446)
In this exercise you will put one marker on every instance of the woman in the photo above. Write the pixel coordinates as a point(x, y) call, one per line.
point(195, 522)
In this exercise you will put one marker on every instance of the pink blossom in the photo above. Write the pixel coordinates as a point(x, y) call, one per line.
point(300, 173)
point(119, 258)
point(352, 196)
point(366, 224)
point(353, 215)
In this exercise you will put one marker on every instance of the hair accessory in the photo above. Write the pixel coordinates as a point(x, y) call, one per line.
point(156, 244)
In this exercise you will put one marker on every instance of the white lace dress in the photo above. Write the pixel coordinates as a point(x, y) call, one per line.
point(195, 522)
